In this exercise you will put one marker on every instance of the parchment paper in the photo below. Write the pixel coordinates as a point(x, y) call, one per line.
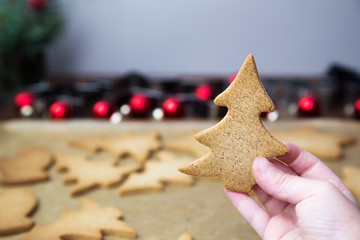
point(203, 210)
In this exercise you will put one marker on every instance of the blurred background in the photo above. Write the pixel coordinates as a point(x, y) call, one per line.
point(116, 59)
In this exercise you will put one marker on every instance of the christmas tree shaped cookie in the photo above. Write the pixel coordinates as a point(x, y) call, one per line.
point(187, 144)
point(88, 174)
point(91, 144)
point(139, 146)
point(240, 136)
point(156, 174)
point(92, 222)
point(324, 145)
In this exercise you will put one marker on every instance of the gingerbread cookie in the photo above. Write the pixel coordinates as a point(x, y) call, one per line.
point(140, 146)
point(240, 136)
point(92, 144)
point(15, 206)
point(184, 236)
point(156, 173)
point(29, 165)
point(187, 144)
point(351, 178)
point(324, 145)
point(88, 174)
point(90, 223)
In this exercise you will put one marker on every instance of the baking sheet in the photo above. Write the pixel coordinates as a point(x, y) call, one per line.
point(203, 210)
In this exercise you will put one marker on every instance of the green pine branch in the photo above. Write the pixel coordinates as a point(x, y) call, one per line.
point(27, 30)
point(24, 33)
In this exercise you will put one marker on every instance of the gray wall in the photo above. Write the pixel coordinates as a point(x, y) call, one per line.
point(206, 36)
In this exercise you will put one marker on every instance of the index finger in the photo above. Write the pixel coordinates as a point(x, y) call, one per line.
point(307, 165)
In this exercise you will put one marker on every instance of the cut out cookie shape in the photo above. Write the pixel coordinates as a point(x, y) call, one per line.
point(351, 178)
point(187, 144)
point(240, 136)
point(88, 174)
point(140, 146)
point(91, 144)
point(323, 145)
point(89, 223)
point(29, 165)
point(184, 236)
point(156, 174)
point(15, 206)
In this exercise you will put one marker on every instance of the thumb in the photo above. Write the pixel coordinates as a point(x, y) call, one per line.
point(281, 185)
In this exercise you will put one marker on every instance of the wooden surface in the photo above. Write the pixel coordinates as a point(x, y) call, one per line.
point(203, 209)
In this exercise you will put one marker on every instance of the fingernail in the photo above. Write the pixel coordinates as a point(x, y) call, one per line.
point(262, 164)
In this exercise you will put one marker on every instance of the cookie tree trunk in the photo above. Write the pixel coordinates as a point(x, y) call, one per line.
point(240, 136)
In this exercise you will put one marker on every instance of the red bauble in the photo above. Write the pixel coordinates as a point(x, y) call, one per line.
point(232, 78)
point(37, 4)
point(24, 99)
point(103, 109)
point(60, 110)
point(357, 108)
point(140, 105)
point(204, 92)
point(172, 107)
point(309, 106)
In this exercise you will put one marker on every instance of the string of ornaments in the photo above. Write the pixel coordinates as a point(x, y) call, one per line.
point(159, 106)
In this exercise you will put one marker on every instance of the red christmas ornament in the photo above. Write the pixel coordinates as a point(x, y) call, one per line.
point(37, 4)
point(308, 106)
point(24, 99)
point(140, 105)
point(103, 109)
point(204, 92)
point(60, 110)
point(357, 108)
point(264, 114)
point(172, 107)
point(232, 78)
